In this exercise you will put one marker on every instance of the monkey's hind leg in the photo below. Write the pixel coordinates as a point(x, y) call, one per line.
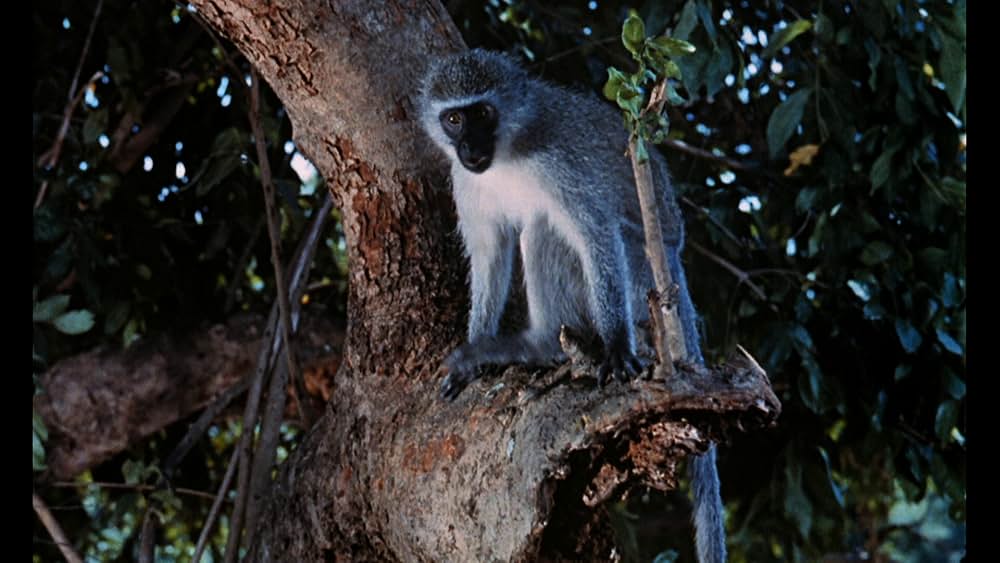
point(465, 363)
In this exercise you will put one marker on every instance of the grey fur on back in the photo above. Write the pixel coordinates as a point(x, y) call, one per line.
point(571, 135)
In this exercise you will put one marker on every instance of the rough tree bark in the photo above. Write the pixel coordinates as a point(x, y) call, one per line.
point(518, 467)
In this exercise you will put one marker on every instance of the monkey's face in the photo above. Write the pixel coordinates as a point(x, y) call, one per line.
point(472, 131)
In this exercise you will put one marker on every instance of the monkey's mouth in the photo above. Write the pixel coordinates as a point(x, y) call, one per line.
point(474, 160)
point(476, 165)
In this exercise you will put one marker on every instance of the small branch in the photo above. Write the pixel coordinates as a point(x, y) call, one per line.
point(713, 221)
point(51, 157)
point(741, 275)
point(264, 357)
point(133, 487)
point(54, 529)
point(580, 46)
point(264, 456)
point(213, 513)
point(282, 309)
point(708, 155)
point(266, 182)
point(147, 537)
point(667, 329)
point(657, 257)
point(199, 427)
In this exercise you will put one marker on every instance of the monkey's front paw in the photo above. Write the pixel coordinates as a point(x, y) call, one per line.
point(621, 363)
point(461, 373)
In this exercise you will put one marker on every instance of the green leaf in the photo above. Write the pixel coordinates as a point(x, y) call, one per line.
point(671, 70)
point(38, 426)
point(806, 198)
point(672, 47)
point(934, 258)
point(908, 336)
point(131, 333)
point(952, 68)
point(615, 81)
point(838, 494)
point(75, 322)
point(705, 15)
point(719, 65)
point(782, 37)
point(60, 261)
point(905, 513)
point(874, 56)
point(784, 120)
point(810, 383)
point(214, 171)
point(953, 385)
point(801, 337)
point(629, 100)
point(116, 317)
point(949, 291)
point(823, 28)
point(144, 272)
point(37, 453)
point(168, 498)
point(133, 471)
point(48, 226)
point(902, 370)
point(876, 252)
point(687, 21)
point(51, 308)
point(673, 98)
point(880, 170)
point(949, 343)
point(39, 435)
point(633, 33)
point(797, 504)
point(946, 419)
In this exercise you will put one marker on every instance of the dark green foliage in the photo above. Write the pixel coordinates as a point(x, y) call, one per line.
point(122, 253)
point(860, 251)
point(846, 211)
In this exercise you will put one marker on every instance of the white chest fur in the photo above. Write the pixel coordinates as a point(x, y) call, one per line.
point(509, 195)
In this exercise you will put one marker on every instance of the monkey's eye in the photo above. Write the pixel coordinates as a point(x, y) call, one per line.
point(454, 118)
point(485, 111)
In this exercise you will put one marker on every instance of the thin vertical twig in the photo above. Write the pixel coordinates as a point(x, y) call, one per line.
point(147, 539)
point(669, 321)
point(267, 183)
point(51, 157)
point(213, 513)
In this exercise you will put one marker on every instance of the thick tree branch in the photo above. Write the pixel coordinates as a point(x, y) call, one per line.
point(98, 403)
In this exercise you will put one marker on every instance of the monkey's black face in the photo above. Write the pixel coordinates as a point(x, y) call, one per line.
point(472, 129)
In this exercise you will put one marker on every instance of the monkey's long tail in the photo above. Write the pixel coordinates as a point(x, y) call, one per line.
point(710, 526)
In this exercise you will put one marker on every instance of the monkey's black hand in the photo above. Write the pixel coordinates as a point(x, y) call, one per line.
point(461, 372)
point(619, 361)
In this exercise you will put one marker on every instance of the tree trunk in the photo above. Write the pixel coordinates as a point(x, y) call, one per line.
point(516, 468)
